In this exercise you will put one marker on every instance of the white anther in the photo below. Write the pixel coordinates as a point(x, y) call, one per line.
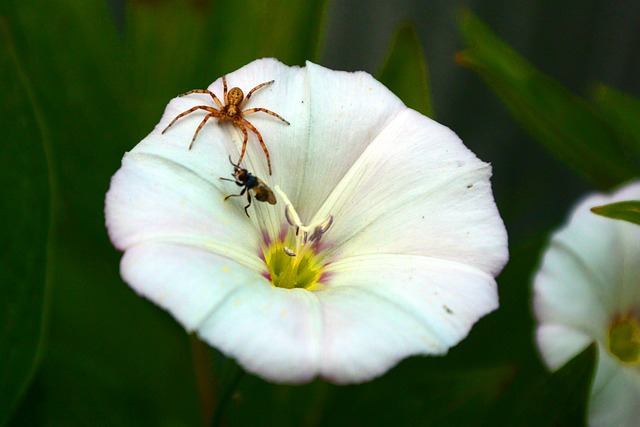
point(287, 215)
point(326, 224)
point(317, 233)
point(309, 233)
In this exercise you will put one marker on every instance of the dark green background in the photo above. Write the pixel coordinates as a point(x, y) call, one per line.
point(82, 82)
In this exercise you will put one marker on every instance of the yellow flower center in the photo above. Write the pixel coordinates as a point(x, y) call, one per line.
point(286, 271)
point(624, 339)
point(297, 262)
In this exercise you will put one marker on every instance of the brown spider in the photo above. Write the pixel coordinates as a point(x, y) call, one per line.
point(232, 110)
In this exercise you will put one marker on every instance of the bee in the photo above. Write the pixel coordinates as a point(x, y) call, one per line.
point(249, 181)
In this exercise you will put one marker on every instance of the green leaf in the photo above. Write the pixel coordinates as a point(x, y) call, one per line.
point(292, 30)
point(405, 70)
point(112, 357)
point(565, 124)
point(25, 216)
point(289, 30)
point(424, 389)
point(72, 51)
point(622, 111)
point(427, 389)
point(168, 52)
point(626, 211)
point(560, 399)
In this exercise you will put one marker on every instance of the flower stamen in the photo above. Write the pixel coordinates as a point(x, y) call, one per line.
point(296, 260)
point(312, 233)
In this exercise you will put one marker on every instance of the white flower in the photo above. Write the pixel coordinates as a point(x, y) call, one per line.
point(398, 236)
point(588, 289)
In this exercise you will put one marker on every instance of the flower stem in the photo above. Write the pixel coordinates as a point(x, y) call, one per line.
point(200, 355)
point(226, 396)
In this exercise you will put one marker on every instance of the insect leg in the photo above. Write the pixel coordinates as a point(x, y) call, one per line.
point(238, 183)
point(249, 200)
point(244, 190)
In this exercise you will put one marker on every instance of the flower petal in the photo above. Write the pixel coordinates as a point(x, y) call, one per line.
point(272, 332)
point(559, 343)
point(593, 263)
point(412, 265)
point(562, 277)
point(380, 309)
point(609, 248)
point(418, 190)
point(615, 395)
point(333, 128)
point(154, 199)
point(188, 282)
point(587, 279)
point(346, 112)
point(218, 142)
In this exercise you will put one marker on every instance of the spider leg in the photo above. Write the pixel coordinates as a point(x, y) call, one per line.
point(264, 110)
point(246, 138)
point(191, 110)
point(202, 123)
point(224, 85)
point(213, 95)
point(264, 147)
point(253, 90)
point(244, 190)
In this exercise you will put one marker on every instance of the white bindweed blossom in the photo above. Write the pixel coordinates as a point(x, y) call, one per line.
point(384, 242)
point(586, 290)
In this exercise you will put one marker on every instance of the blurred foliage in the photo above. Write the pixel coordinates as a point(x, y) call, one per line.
point(622, 112)
point(110, 357)
point(431, 393)
point(598, 138)
point(78, 91)
point(25, 199)
point(568, 126)
point(405, 72)
point(626, 211)
point(559, 399)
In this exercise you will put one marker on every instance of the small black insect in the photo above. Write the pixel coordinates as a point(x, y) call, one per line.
point(246, 179)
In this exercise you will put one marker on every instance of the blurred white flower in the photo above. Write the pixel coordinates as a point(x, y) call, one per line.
point(384, 243)
point(588, 289)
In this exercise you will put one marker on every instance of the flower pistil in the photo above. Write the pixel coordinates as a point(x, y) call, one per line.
point(624, 339)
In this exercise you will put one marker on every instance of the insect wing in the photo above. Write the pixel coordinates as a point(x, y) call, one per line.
point(263, 193)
